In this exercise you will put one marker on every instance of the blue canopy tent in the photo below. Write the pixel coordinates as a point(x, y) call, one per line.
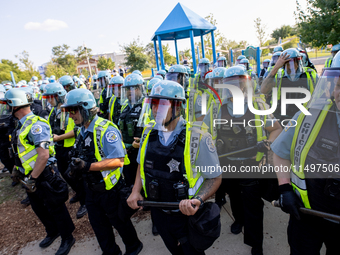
point(183, 23)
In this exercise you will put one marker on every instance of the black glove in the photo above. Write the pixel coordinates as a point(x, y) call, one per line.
point(263, 146)
point(289, 201)
point(79, 165)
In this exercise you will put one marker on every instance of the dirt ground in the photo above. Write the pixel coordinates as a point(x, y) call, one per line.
point(19, 225)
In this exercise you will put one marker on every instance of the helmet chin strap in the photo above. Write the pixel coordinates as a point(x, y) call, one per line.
point(173, 116)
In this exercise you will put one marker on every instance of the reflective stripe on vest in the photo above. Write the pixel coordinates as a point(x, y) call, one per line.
point(195, 179)
point(112, 106)
point(110, 177)
point(27, 153)
point(306, 131)
point(328, 62)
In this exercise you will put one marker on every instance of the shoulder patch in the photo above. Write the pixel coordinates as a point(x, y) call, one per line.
point(36, 129)
point(210, 144)
point(111, 137)
point(199, 101)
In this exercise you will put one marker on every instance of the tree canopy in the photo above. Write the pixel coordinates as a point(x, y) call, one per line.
point(319, 24)
point(105, 63)
point(136, 56)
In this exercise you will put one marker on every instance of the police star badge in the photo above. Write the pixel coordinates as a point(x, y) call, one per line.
point(158, 89)
point(88, 141)
point(173, 165)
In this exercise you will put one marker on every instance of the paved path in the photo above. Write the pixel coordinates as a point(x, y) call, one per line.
point(275, 238)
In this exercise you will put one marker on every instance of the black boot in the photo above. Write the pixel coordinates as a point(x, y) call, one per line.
point(154, 230)
point(66, 246)
point(81, 211)
point(236, 228)
point(74, 199)
point(48, 240)
point(26, 201)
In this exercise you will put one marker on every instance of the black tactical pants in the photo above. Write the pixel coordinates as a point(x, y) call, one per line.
point(76, 185)
point(103, 214)
point(247, 208)
point(130, 170)
point(55, 218)
point(307, 235)
point(173, 228)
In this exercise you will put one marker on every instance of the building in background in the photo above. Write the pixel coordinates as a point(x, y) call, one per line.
point(84, 65)
point(117, 57)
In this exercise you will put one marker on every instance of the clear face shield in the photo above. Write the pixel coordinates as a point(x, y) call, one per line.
point(132, 94)
point(203, 69)
point(293, 69)
point(49, 101)
point(176, 77)
point(246, 65)
point(327, 91)
point(265, 65)
point(221, 63)
point(241, 82)
point(114, 90)
point(160, 111)
point(102, 81)
point(274, 60)
point(78, 113)
point(5, 109)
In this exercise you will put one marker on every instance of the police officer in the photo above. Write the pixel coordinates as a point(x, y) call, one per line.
point(103, 81)
point(162, 73)
point(222, 62)
point(334, 51)
point(294, 76)
point(265, 65)
point(239, 58)
point(101, 154)
point(132, 98)
point(306, 143)
point(245, 190)
point(152, 83)
point(67, 83)
point(63, 131)
point(165, 170)
point(33, 152)
point(36, 105)
point(177, 73)
point(272, 63)
point(114, 93)
point(278, 49)
point(94, 82)
point(196, 88)
point(51, 79)
point(7, 125)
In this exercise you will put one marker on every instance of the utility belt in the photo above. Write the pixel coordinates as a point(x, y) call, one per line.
point(163, 190)
point(100, 186)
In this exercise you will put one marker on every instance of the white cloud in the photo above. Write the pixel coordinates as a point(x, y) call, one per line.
point(48, 25)
point(102, 36)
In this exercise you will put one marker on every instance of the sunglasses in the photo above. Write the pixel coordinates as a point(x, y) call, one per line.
point(71, 109)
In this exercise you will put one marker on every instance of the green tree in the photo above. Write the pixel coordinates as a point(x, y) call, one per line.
point(54, 69)
point(283, 32)
point(66, 60)
point(150, 52)
point(319, 23)
point(105, 63)
point(28, 66)
point(80, 53)
point(260, 31)
point(135, 56)
point(85, 72)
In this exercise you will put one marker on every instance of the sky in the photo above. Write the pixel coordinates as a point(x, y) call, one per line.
point(36, 26)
